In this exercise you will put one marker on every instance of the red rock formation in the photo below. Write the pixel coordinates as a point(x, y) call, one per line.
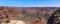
point(15, 13)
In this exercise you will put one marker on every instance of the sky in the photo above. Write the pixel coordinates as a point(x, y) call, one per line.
point(30, 3)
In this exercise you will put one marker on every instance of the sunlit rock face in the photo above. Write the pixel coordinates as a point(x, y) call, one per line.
point(15, 22)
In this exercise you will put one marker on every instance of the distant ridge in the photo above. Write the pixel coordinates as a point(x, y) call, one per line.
point(32, 7)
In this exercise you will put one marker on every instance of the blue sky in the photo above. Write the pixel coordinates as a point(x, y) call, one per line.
point(30, 3)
